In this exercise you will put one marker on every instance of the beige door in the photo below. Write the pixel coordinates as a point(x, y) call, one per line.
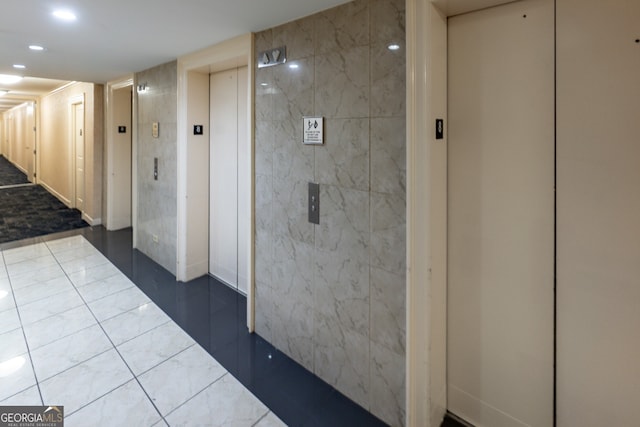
point(501, 215)
point(122, 159)
point(79, 160)
point(598, 356)
point(229, 184)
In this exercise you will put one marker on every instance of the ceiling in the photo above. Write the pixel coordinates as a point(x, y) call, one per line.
point(458, 7)
point(27, 89)
point(113, 38)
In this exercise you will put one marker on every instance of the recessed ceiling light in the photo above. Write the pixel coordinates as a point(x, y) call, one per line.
point(264, 84)
point(19, 66)
point(293, 66)
point(65, 15)
point(8, 79)
point(36, 47)
point(393, 46)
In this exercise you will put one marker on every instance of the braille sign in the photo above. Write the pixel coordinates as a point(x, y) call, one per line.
point(313, 131)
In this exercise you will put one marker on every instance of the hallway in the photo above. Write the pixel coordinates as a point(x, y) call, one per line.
point(132, 316)
point(28, 210)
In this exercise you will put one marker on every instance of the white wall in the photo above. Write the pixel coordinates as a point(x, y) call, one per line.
point(20, 139)
point(598, 207)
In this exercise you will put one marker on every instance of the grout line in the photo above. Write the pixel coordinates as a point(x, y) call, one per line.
point(200, 392)
point(24, 336)
point(114, 348)
point(136, 377)
point(262, 418)
point(555, 213)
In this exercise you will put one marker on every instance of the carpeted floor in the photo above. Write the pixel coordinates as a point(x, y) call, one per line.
point(9, 174)
point(30, 210)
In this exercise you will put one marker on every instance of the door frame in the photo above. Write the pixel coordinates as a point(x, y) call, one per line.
point(426, 335)
point(193, 160)
point(426, 260)
point(73, 102)
point(110, 165)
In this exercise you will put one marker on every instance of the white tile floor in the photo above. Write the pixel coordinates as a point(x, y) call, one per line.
point(75, 331)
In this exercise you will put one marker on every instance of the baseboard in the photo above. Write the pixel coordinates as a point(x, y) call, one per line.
point(439, 407)
point(91, 221)
point(59, 196)
point(196, 270)
point(478, 412)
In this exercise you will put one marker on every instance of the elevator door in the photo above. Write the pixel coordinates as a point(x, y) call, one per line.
point(229, 184)
point(501, 215)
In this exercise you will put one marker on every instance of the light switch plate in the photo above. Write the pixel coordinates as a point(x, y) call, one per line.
point(155, 129)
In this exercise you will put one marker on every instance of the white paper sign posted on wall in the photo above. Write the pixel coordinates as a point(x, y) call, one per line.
point(313, 131)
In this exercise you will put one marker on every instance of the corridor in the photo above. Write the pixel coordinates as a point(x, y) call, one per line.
point(153, 349)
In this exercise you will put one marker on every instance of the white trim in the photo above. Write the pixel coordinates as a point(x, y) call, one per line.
point(91, 221)
point(418, 374)
point(60, 89)
point(231, 53)
point(134, 163)
point(73, 101)
point(59, 196)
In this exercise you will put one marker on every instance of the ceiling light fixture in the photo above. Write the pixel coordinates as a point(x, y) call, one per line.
point(19, 66)
point(293, 66)
point(8, 79)
point(393, 46)
point(65, 15)
point(36, 47)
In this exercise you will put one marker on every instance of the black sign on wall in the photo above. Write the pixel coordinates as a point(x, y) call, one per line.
point(122, 129)
point(439, 129)
point(198, 129)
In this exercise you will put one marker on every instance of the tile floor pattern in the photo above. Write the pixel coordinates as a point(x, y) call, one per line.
point(75, 331)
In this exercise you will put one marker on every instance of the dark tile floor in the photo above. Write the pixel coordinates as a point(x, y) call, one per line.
point(215, 316)
point(449, 421)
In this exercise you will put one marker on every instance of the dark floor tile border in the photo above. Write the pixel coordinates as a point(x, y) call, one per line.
point(290, 391)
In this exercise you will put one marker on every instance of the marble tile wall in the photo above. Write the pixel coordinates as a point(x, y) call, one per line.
point(157, 200)
point(332, 296)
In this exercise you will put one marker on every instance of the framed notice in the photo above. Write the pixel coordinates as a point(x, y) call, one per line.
point(313, 131)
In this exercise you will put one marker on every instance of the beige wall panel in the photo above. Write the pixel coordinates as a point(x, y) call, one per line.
point(598, 213)
point(501, 215)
